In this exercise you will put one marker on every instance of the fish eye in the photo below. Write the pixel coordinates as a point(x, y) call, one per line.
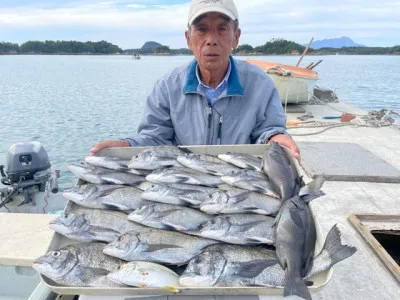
point(66, 216)
point(121, 238)
point(56, 253)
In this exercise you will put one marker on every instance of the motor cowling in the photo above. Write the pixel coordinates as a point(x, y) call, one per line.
point(24, 160)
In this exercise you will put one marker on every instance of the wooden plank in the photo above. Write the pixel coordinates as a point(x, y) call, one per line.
point(24, 237)
point(372, 241)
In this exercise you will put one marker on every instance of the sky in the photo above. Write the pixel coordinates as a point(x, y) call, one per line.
point(130, 23)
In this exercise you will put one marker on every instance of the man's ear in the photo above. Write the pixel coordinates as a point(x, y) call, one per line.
point(236, 40)
point(187, 36)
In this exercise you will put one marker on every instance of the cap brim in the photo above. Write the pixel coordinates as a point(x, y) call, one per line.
point(211, 9)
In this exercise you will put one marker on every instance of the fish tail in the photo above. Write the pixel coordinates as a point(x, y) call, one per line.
point(333, 245)
point(296, 286)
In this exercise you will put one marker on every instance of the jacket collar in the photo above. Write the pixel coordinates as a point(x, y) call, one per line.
point(234, 86)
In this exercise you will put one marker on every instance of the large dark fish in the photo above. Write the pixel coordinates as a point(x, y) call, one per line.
point(295, 238)
point(79, 265)
point(281, 171)
point(234, 265)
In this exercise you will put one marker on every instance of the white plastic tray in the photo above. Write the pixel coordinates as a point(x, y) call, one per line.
point(59, 241)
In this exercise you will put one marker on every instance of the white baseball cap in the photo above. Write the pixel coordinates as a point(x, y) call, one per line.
point(199, 7)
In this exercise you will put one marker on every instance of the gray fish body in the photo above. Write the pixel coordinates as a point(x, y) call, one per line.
point(179, 194)
point(79, 265)
point(183, 175)
point(243, 229)
point(295, 244)
point(94, 225)
point(241, 160)
point(255, 266)
point(169, 217)
point(156, 157)
point(107, 196)
point(281, 171)
point(98, 175)
point(242, 201)
point(157, 245)
point(88, 195)
point(217, 262)
point(126, 198)
point(251, 180)
point(108, 162)
point(206, 164)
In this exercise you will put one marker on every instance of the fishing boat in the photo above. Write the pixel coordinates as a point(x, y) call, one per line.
point(294, 84)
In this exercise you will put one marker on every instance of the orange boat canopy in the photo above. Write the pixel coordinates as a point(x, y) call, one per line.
point(284, 70)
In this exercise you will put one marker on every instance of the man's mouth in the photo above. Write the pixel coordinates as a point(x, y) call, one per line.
point(212, 55)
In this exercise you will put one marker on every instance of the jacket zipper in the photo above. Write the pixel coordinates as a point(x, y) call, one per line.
point(209, 121)
point(219, 138)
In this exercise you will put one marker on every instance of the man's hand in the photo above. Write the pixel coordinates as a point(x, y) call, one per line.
point(108, 144)
point(287, 141)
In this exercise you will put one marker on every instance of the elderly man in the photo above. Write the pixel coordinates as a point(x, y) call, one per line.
point(215, 99)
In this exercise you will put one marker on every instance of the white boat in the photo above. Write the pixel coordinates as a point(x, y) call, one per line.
point(294, 84)
point(29, 192)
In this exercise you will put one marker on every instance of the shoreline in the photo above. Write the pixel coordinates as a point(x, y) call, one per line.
point(143, 55)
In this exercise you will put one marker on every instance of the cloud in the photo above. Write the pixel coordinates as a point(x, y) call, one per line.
point(260, 20)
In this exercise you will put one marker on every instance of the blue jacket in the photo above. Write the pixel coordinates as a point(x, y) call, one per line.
point(177, 111)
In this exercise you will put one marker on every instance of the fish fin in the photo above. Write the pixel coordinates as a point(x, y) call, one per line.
point(107, 192)
point(182, 179)
point(296, 219)
point(100, 232)
point(171, 289)
point(212, 172)
point(186, 150)
point(86, 274)
point(334, 247)
point(254, 268)
point(313, 188)
point(296, 286)
point(156, 247)
point(174, 227)
point(110, 206)
point(241, 197)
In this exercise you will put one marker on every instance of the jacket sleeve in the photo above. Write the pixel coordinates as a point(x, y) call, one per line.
point(272, 119)
point(156, 126)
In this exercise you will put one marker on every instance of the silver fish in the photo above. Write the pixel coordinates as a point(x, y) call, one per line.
point(243, 229)
point(183, 175)
point(241, 160)
point(179, 194)
point(252, 181)
point(100, 175)
point(82, 265)
point(88, 195)
point(231, 265)
point(240, 201)
point(93, 225)
point(206, 164)
point(108, 162)
point(145, 275)
point(281, 171)
point(157, 245)
point(126, 198)
point(169, 217)
point(295, 244)
point(156, 157)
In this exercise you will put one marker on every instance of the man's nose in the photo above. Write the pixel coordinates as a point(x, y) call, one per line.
point(212, 38)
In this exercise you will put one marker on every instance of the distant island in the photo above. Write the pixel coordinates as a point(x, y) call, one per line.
point(341, 42)
point(272, 47)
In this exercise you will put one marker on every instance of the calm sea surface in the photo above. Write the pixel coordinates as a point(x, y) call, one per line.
point(69, 103)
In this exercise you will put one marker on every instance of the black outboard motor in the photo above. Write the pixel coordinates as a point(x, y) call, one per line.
point(27, 171)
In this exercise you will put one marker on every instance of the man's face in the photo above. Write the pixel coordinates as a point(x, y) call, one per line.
point(212, 36)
